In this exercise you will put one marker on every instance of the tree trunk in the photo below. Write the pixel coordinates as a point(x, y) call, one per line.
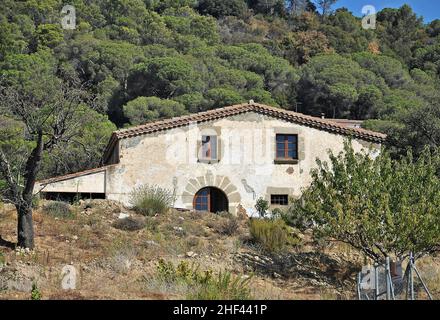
point(25, 228)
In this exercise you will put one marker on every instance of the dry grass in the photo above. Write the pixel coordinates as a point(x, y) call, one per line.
point(120, 264)
point(429, 269)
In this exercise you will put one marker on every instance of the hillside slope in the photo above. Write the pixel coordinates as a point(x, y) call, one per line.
point(118, 264)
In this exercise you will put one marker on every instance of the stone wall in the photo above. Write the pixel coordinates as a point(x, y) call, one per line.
point(245, 171)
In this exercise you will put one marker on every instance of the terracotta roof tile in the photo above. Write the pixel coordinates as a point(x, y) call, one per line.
point(314, 122)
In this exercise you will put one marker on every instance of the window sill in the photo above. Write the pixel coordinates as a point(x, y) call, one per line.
point(208, 161)
point(286, 161)
point(278, 206)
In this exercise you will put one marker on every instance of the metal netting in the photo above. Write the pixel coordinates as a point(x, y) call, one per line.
point(399, 285)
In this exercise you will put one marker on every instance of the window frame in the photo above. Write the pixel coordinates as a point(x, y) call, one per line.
point(202, 197)
point(203, 156)
point(286, 148)
point(278, 200)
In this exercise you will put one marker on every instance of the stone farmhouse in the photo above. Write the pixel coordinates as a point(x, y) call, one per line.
point(218, 160)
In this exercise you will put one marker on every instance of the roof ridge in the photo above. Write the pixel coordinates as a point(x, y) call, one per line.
point(201, 113)
point(331, 122)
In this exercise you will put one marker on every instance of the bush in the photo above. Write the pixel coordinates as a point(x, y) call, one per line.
point(203, 285)
point(374, 203)
point(262, 206)
point(129, 224)
point(224, 287)
point(229, 227)
point(272, 235)
point(58, 209)
point(298, 218)
point(35, 293)
point(184, 272)
point(150, 200)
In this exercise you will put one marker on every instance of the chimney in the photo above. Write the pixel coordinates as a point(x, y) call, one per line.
point(323, 115)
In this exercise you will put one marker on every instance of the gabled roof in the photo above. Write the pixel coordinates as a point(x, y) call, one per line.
point(294, 117)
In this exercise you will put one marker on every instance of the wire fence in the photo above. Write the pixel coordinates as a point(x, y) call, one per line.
point(386, 281)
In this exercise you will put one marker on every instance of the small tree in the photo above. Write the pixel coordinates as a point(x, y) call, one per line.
point(41, 111)
point(325, 5)
point(380, 206)
point(262, 206)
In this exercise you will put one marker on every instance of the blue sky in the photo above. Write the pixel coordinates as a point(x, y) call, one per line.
point(429, 9)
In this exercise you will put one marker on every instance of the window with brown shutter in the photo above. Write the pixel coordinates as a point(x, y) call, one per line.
point(287, 147)
point(209, 148)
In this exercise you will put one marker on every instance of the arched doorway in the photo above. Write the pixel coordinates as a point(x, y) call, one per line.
point(210, 199)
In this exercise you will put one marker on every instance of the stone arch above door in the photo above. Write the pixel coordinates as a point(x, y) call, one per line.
point(209, 180)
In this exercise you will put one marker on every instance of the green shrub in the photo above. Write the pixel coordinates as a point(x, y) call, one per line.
point(278, 213)
point(184, 272)
point(262, 206)
point(224, 287)
point(58, 209)
point(35, 293)
point(203, 285)
point(297, 218)
point(166, 271)
point(272, 235)
point(150, 200)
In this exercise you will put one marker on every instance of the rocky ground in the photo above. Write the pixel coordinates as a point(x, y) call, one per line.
point(115, 254)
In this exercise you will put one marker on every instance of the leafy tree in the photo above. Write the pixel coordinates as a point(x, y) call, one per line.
point(222, 8)
point(304, 45)
point(164, 77)
point(145, 109)
point(419, 127)
point(219, 97)
point(297, 7)
point(434, 28)
point(97, 59)
point(428, 59)
point(84, 151)
point(47, 107)
point(272, 7)
point(325, 5)
point(336, 86)
point(279, 77)
point(12, 40)
point(400, 31)
point(262, 206)
point(380, 206)
point(344, 32)
point(193, 102)
point(260, 96)
point(162, 5)
point(390, 69)
point(49, 35)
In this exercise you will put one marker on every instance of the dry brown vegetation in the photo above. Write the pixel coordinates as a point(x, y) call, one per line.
point(116, 263)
